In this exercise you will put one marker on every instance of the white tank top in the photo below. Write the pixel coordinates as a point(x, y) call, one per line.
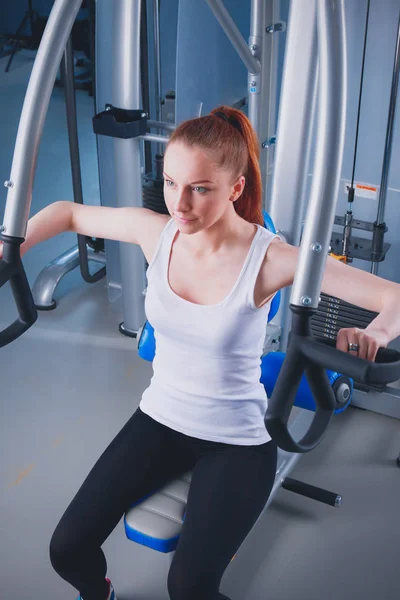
point(206, 380)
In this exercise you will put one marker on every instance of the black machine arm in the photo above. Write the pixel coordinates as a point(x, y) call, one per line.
point(307, 355)
point(12, 270)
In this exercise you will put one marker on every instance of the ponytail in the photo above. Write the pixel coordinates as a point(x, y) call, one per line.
point(228, 132)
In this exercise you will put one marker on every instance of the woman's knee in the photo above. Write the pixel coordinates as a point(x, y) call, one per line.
point(187, 583)
point(63, 548)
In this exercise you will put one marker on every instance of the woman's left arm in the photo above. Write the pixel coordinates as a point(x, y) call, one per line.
point(349, 284)
point(372, 293)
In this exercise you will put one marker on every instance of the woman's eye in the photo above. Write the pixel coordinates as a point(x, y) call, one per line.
point(199, 189)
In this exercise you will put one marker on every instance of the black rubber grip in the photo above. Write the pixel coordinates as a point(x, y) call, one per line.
point(281, 403)
point(310, 491)
point(385, 369)
point(305, 354)
point(12, 270)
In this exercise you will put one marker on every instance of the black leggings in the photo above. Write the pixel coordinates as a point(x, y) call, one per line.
point(230, 487)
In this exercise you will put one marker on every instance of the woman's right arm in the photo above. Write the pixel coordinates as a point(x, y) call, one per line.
point(130, 224)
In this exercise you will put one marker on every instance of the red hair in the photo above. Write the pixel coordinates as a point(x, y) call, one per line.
point(236, 146)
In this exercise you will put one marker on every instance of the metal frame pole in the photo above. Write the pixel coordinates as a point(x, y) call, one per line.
point(144, 72)
point(259, 58)
point(294, 134)
point(37, 98)
point(321, 210)
point(157, 57)
point(127, 156)
point(154, 137)
point(157, 64)
point(161, 125)
point(228, 25)
point(67, 74)
point(389, 140)
point(268, 120)
point(256, 40)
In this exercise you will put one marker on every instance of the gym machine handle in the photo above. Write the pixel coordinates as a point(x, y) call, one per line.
point(23, 169)
point(307, 355)
point(12, 270)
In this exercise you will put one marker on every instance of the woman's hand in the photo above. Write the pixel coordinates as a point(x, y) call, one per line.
point(363, 343)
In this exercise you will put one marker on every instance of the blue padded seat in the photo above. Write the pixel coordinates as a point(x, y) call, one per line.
point(156, 520)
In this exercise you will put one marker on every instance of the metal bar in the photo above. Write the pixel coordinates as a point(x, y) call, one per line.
point(37, 98)
point(389, 132)
point(257, 18)
point(268, 117)
point(153, 137)
point(127, 156)
point(287, 460)
point(311, 491)
point(157, 57)
point(329, 150)
point(387, 156)
point(67, 73)
point(386, 402)
point(257, 38)
point(67, 70)
point(239, 103)
point(144, 72)
point(228, 25)
point(91, 4)
point(43, 290)
point(294, 134)
point(161, 125)
point(157, 63)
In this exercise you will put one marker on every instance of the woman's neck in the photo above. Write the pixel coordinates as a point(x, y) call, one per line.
point(219, 237)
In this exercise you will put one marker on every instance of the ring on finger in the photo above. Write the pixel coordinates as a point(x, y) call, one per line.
point(353, 347)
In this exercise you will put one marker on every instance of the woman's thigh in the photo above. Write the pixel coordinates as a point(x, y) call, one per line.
point(229, 489)
point(141, 458)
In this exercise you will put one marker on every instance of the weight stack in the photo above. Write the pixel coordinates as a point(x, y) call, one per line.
point(334, 314)
point(153, 186)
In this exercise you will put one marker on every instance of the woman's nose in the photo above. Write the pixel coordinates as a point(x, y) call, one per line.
point(182, 201)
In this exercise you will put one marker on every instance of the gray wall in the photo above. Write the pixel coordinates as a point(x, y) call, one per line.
point(209, 71)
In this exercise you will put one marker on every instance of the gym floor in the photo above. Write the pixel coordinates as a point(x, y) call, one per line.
point(72, 381)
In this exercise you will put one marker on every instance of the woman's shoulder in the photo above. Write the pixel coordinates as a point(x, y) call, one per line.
point(157, 225)
point(279, 266)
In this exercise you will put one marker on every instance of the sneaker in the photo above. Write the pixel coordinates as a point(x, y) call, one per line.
point(111, 593)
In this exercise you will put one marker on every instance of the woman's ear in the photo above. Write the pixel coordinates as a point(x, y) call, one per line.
point(238, 188)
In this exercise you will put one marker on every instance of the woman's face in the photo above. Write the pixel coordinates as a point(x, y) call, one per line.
point(197, 192)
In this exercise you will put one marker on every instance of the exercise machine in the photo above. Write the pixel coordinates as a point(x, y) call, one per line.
point(125, 122)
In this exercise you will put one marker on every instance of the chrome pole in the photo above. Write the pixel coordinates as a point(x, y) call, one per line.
point(36, 103)
point(387, 156)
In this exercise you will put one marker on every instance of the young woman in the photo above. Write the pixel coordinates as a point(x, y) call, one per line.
point(213, 270)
